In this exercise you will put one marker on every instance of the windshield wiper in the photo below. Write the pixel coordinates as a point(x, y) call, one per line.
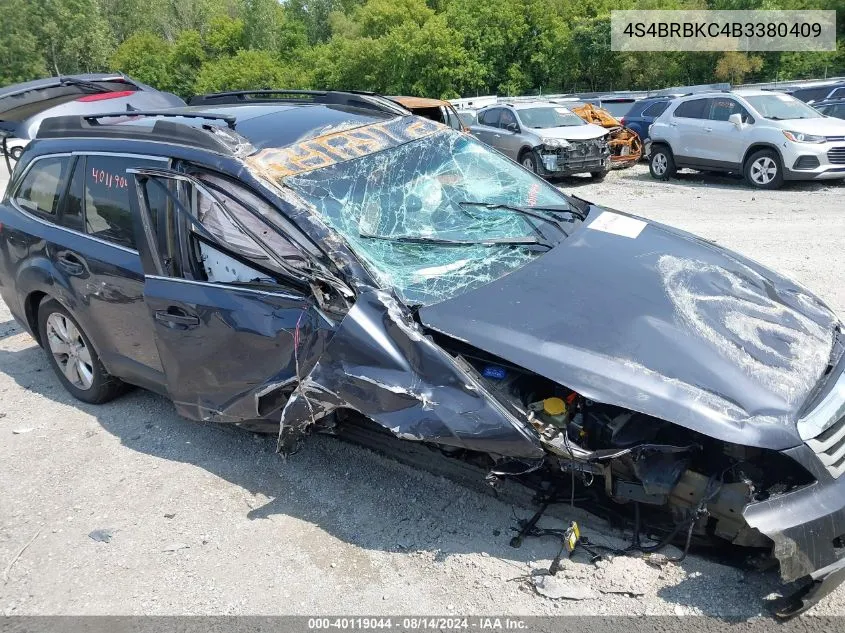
point(496, 241)
point(530, 211)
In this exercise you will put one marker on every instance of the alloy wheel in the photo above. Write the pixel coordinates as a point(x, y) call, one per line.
point(659, 164)
point(763, 170)
point(70, 351)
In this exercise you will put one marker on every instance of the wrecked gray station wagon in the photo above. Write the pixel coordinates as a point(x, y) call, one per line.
point(304, 264)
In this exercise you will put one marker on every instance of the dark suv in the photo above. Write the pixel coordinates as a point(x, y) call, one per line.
point(310, 261)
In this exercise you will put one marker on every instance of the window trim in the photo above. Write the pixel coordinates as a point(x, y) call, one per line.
point(29, 214)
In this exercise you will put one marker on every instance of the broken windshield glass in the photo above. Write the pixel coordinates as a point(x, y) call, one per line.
point(402, 210)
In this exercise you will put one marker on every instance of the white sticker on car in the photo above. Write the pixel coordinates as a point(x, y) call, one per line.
point(617, 224)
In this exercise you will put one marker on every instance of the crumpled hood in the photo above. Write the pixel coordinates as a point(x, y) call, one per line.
point(571, 132)
point(639, 315)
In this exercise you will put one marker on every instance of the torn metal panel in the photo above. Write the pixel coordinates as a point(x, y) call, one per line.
point(379, 364)
point(660, 322)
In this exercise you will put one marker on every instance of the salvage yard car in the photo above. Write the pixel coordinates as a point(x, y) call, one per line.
point(304, 266)
point(23, 106)
point(768, 137)
point(545, 138)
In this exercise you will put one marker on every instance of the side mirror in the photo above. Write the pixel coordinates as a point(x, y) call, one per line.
point(736, 119)
point(512, 127)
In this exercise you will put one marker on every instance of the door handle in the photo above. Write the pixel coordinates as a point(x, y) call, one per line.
point(708, 129)
point(176, 318)
point(673, 125)
point(498, 135)
point(70, 263)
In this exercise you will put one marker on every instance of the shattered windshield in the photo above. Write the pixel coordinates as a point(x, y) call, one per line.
point(408, 213)
point(549, 117)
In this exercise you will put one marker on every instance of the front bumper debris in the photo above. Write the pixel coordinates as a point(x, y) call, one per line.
point(807, 527)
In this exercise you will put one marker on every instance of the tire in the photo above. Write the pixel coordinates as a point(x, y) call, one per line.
point(598, 176)
point(764, 170)
point(529, 161)
point(661, 164)
point(73, 358)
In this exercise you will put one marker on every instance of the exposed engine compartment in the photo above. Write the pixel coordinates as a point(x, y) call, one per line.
point(678, 485)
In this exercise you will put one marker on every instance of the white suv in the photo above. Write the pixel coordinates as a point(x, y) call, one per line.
point(767, 136)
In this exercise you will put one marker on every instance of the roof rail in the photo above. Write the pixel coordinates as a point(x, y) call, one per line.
point(182, 114)
point(163, 130)
point(352, 98)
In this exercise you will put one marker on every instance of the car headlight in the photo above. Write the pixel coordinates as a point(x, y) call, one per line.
point(554, 143)
point(800, 137)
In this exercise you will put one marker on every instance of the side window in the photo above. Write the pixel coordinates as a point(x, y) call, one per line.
point(107, 211)
point(656, 109)
point(507, 118)
point(42, 187)
point(722, 108)
point(490, 117)
point(692, 109)
point(837, 111)
point(839, 92)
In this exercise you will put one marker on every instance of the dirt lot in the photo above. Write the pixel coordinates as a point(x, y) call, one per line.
point(209, 520)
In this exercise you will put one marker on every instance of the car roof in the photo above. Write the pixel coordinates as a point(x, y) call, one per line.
point(263, 125)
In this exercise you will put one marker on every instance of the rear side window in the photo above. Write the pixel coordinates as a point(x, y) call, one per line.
point(839, 92)
point(42, 187)
point(656, 109)
point(108, 215)
point(693, 109)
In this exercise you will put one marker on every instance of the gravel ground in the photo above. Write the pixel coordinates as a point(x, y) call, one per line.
point(209, 520)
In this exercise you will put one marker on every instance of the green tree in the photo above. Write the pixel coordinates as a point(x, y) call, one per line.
point(735, 67)
point(145, 57)
point(248, 69)
point(21, 58)
point(73, 34)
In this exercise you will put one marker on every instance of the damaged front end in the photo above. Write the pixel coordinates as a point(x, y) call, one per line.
point(570, 345)
point(625, 145)
point(562, 157)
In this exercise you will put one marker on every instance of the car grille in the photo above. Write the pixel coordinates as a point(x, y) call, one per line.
point(834, 139)
point(837, 155)
point(829, 446)
point(586, 149)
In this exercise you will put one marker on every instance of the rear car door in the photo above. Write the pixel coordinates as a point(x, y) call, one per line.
point(89, 254)
point(235, 320)
point(687, 124)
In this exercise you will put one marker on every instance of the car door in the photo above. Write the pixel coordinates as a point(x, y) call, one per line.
point(686, 125)
point(487, 126)
point(723, 143)
point(235, 324)
point(93, 259)
point(508, 139)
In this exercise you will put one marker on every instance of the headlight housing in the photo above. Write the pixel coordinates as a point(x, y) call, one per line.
point(801, 137)
point(554, 143)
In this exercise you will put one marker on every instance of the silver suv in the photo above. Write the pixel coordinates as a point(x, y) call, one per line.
point(766, 136)
point(545, 137)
